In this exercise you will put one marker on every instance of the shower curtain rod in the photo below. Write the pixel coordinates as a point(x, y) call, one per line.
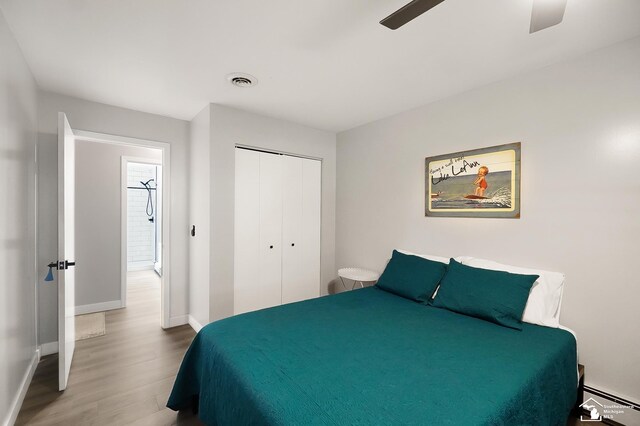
point(141, 187)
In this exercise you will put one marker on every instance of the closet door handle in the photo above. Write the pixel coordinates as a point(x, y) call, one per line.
point(293, 244)
point(270, 247)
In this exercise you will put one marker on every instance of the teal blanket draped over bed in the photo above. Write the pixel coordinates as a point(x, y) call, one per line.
point(368, 357)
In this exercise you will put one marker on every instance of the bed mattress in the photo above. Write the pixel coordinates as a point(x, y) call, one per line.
point(368, 357)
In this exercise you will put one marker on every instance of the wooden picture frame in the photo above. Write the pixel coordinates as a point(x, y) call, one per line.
point(475, 183)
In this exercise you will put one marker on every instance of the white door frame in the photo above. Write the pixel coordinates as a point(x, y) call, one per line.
point(124, 232)
point(165, 279)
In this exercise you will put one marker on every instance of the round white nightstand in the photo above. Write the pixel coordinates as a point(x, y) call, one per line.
point(358, 276)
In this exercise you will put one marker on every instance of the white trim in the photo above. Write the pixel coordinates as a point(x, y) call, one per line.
point(117, 140)
point(165, 292)
point(124, 246)
point(99, 307)
point(16, 404)
point(36, 273)
point(195, 324)
point(275, 151)
point(49, 348)
point(177, 321)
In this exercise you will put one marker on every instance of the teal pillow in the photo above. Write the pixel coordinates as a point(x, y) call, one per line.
point(412, 277)
point(495, 296)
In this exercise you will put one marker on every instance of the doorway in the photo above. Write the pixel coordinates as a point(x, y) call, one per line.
point(142, 181)
point(141, 219)
point(89, 217)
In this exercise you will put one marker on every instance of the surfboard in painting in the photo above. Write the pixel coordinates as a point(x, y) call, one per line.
point(477, 183)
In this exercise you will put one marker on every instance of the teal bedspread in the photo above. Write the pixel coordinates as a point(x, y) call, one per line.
point(368, 357)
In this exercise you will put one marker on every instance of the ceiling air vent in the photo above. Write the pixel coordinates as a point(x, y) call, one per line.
point(239, 79)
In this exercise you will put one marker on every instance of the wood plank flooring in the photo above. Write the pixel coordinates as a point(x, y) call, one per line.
point(121, 378)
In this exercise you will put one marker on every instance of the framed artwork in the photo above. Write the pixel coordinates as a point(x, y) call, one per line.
point(477, 183)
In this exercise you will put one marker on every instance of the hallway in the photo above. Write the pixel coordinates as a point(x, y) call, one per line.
point(121, 378)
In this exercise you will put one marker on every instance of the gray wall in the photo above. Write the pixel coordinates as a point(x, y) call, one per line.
point(199, 201)
point(579, 124)
point(230, 127)
point(98, 210)
point(18, 125)
point(92, 116)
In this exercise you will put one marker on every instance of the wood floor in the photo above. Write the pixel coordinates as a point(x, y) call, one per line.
point(121, 378)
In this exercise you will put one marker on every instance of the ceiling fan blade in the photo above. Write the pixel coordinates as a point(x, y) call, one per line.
point(408, 12)
point(546, 13)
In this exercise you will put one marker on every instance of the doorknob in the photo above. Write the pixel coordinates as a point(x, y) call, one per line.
point(270, 247)
point(293, 244)
point(60, 266)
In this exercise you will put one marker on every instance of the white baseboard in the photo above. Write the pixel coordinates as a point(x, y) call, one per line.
point(194, 324)
point(178, 320)
point(185, 319)
point(48, 348)
point(16, 404)
point(98, 307)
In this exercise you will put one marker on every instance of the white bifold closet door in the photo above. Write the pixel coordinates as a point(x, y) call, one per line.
point(269, 284)
point(300, 229)
point(277, 230)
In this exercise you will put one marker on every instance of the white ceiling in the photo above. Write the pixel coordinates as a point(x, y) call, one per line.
point(324, 63)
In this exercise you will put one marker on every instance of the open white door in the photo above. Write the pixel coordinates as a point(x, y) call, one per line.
point(66, 249)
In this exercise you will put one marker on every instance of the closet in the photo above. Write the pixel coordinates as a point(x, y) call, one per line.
point(277, 229)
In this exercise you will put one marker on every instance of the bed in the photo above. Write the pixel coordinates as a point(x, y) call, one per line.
point(370, 357)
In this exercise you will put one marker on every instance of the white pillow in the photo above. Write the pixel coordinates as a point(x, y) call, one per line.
point(441, 259)
point(543, 305)
point(427, 256)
